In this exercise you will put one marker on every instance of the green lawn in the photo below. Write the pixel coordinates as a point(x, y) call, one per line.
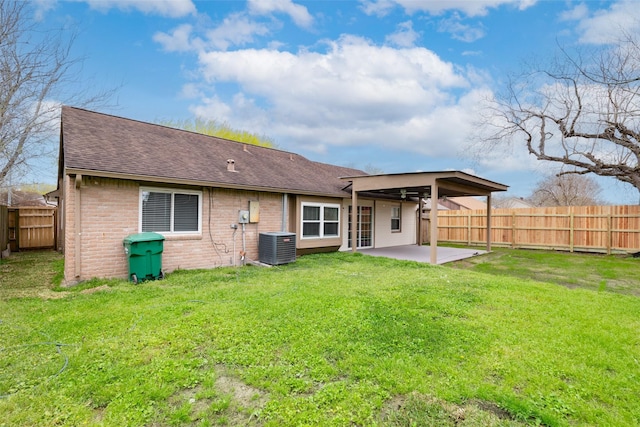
point(615, 273)
point(334, 339)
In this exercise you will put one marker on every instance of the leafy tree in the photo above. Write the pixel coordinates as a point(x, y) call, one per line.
point(221, 130)
point(36, 67)
point(582, 111)
point(566, 190)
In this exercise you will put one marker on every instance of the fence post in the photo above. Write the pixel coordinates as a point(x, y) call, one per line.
point(571, 231)
point(4, 229)
point(469, 229)
point(609, 234)
point(513, 230)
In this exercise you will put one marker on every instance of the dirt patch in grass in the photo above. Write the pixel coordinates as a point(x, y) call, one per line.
point(243, 394)
point(245, 401)
point(420, 409)
point(226, 401)
point(232, 402)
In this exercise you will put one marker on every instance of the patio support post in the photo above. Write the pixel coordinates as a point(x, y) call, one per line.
point(419, 221)
point(354, 219)
point(433, 241)
point(489, 222)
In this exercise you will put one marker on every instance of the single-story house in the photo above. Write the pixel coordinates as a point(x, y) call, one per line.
point(211, 198)
point(20, 198)
point(513, 203)
point(463, 203)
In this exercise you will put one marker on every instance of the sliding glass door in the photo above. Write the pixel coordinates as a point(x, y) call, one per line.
point(364, 235)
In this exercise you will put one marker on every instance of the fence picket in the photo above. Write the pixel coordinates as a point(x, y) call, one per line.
point(608, 229)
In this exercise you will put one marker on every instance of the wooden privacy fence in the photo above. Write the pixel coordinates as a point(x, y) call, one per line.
point(32, 228)
point(609, 229)
point(4, 229)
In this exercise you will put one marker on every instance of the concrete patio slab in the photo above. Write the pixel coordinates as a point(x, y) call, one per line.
point(422, 253)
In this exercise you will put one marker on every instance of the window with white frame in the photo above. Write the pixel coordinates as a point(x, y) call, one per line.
point(170, 211)
point(395, 218)
point(320, 220)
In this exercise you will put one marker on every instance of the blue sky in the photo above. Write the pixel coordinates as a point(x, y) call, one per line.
point(390, 84)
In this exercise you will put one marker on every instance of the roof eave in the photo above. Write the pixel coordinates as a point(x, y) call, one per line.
point(196, 183)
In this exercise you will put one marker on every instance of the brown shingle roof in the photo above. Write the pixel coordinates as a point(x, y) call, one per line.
point(105, 144)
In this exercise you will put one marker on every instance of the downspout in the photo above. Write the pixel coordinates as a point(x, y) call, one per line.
point(78, 228)
point(285, 211)
point(244, 246)
point(233, 236)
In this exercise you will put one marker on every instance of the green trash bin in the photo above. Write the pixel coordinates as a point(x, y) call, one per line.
point(144, 252)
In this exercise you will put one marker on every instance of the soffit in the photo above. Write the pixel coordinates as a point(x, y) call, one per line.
point(420, 184)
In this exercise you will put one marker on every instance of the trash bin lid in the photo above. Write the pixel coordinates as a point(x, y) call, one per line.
point(143, 237)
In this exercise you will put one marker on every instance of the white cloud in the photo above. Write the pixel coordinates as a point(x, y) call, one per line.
point(299, 14)
point(605, 26)
point(236, 30)
point(190, 91)
point(405, 36)
point(212, 107)
point(179, 40)
point(42, 7)
point(580, 11)
point(460, 31)
point(170, 8)
point(437, 7)
point(354, 94)
point(377, 7)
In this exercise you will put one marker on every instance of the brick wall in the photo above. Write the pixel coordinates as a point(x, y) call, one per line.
point(109, 211)
point(67, 214)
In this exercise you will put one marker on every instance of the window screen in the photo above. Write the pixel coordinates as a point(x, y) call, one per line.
point(185, 212)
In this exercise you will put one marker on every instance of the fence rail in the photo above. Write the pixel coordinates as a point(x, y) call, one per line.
point(608, 229)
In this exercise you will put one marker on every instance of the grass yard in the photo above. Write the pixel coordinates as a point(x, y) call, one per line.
point(615, 273)
point(333, 339)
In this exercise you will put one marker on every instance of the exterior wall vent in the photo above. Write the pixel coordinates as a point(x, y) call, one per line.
point(275, 248)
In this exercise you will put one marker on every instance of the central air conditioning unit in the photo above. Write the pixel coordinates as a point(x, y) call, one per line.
point(277, 248)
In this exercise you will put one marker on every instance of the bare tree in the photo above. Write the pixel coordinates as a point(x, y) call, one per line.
point(37, 73)
point(582, 111)
point(566, 190)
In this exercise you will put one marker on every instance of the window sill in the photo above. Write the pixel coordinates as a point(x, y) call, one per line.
point(170, 237)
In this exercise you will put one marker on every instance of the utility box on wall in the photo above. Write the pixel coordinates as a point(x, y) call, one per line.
point(254, 211)
point(277, 248)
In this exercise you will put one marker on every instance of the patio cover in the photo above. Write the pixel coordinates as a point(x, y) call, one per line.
point(424, 185)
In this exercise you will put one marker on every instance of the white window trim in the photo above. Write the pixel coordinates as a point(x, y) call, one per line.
point(172, 192)
point(321, 221)
point(399, 218)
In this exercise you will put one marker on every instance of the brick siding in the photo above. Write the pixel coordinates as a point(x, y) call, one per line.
point(109, 211)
